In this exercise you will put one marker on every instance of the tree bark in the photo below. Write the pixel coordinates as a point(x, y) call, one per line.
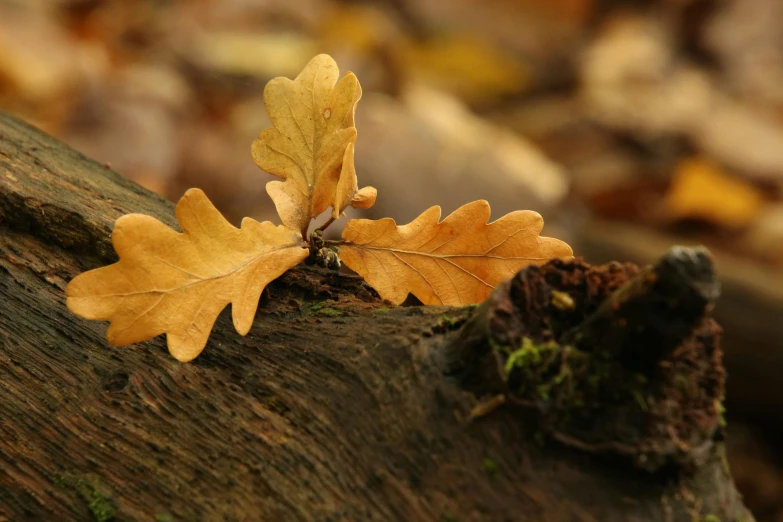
point(337, 406)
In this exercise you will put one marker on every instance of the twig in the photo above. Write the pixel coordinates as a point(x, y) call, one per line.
point(325, 225)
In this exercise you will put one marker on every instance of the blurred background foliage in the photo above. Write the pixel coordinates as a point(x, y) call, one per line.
point(651, 121)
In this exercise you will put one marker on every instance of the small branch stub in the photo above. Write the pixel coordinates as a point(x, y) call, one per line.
point(615, 358)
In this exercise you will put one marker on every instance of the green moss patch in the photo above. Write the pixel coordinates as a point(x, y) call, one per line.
point(102, 506)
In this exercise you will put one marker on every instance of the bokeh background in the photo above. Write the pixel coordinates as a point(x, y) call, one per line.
point(630, 125)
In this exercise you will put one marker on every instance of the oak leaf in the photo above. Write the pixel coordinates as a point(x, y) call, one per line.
point(348, 193)
point(457, 261)
point(313, 118)
point(177, 283)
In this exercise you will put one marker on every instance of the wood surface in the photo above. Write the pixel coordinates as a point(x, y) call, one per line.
point(336, 407)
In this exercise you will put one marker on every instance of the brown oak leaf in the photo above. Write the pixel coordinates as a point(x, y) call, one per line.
point(313, 118)
point(457, 261)
point(177, 283)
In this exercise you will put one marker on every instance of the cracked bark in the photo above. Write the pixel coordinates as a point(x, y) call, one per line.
point(334, 407)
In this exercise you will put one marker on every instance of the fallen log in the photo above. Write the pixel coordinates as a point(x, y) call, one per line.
point(540, 404)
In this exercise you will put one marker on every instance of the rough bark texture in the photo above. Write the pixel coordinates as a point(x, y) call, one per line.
point(334, 407)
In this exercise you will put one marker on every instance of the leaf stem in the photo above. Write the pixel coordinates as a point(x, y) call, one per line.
point(326, 225)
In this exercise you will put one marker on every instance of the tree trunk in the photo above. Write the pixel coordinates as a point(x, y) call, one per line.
point(338, 407)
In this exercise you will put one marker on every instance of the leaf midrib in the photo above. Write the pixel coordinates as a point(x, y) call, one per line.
point(198, 280)
point(442, 256)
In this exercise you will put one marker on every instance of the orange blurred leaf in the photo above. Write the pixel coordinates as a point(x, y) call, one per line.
point(700, 190)
point(470, 68)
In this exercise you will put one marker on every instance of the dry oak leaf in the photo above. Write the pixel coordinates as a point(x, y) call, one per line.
point(177, 283)
point(457, 261)
point(348, 193)
point(313, 124)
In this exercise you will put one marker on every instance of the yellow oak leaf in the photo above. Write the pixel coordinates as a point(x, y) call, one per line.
point(457, 261)
point(313, 118)
point(178, 283)
point(702, 190)
point(348, 193)
point(364, 198)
